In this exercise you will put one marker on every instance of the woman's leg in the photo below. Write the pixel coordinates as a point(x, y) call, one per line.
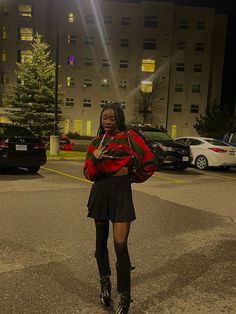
point(101, 255)
point(123, 265)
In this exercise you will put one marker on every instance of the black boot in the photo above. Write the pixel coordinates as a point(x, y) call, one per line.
point(123, 288)
point(105, 272)
point(105, 296)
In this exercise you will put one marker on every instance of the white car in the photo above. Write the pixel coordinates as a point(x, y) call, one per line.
point(209, 152)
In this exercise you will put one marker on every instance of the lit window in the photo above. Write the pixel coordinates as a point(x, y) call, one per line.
point(148, 65)
point(105, 83)
point(123, 84)
point(183, 24)
point(4, 33)
point(25, 10)
point(71, 17)
point(70, 81)
point(88, 61)
point(179, 87)
point(149, 43)
point(196, 88)
point(71, 60)
point(105, 63)
point(107, 41)
point(201, 25)
point(71, 39)
point(89, 40)
point(87, 103)
point(124, 42)
point(103, 103)
point(197, 68)
point(108, 20)
point(88, 83)
point(25, 56)
point(125, 21)
point(70, 102)
point(177, 108)
point(146, 86)
point(180, 67)
point(4, 78)
point(150, 22)
point(181, 45)
point(194, 108)
point(124, 64)
point(3, 55)
point(199, 47)
point(89, 19)
point(26, 33)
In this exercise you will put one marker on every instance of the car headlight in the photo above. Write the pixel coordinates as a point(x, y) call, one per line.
point(166, 148)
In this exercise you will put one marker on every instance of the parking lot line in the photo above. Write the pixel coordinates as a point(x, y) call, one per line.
point(66, 174)
point(218, 175)
point(168, 179)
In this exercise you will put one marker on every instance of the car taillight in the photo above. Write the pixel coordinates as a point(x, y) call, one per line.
point(3, 144)
point(39, 145)
point(218, 150)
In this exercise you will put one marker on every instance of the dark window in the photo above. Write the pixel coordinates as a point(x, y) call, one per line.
point(124, 64)
point(70, 102)
point(105, 83)
point(108, 20)
point(89, 40)
point(177, 108)
point(196, 88)
point(149, 43)
point(179, 87)
point(197, 68)
point(180, 67)
point(194, 108)
point(87, 103)
point(88, 83)
point(183, 24)
point(105, 63)
point(150, 22)
point(124, 42)
point(125, 21)
point(181, 45)
point(123, 84)
point(89, 19)
point(88, 61)
point(199, 47)
point(201, 25)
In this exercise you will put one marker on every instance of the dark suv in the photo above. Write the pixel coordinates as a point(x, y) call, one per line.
point(20, 148)
point(165, 149)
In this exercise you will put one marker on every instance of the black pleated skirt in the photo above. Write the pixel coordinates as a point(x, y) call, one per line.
point(111, 199)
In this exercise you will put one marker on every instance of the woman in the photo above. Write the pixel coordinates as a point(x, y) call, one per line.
point(109, 164)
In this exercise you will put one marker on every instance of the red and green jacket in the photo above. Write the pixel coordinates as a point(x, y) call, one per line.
point(122, 148)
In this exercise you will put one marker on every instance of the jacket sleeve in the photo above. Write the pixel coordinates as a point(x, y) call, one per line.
point(146, 163)
point(91, 164)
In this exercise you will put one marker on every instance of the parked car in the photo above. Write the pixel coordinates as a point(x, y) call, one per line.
point(230, 138)
point(20, 148)
point(166, 150)
point(209, 152)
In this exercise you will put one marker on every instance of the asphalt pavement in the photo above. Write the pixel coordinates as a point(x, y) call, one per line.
point(185, 257)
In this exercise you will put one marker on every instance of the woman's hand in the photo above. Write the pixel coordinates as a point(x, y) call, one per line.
point(100, 152)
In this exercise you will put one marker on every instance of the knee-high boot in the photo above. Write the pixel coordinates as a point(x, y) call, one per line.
point(105, 272)
point(123, 288)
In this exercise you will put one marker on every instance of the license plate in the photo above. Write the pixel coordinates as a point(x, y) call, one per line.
point(231, 153)
point(21, 147)
point(185, 158)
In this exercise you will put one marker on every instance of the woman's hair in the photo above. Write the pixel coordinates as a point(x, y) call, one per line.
point(119, 115)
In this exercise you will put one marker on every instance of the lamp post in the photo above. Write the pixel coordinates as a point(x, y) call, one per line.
point(54, 139)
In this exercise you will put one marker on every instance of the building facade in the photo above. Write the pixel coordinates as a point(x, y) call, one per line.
point(163, 62)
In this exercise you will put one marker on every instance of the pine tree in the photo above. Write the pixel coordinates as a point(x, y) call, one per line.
point(215, 122)
point(33, 94)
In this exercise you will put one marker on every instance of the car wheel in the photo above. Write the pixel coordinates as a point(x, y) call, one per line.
point(33, 169)
point(201, 162)
point(180, 167)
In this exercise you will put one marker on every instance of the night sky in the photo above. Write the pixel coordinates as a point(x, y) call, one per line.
point(227, 7)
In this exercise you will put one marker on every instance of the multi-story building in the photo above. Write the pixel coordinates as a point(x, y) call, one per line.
point(121, 51)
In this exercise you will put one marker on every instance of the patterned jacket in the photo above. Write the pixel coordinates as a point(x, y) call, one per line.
point(125, 149)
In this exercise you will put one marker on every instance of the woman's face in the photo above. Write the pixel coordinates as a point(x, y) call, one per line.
point(108, 121)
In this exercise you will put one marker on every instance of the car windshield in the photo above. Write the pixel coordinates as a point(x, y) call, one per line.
point(216, 142)
point(12, 130)
point(156, 136)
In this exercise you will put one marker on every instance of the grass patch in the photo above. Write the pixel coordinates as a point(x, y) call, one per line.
point(72, 154)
